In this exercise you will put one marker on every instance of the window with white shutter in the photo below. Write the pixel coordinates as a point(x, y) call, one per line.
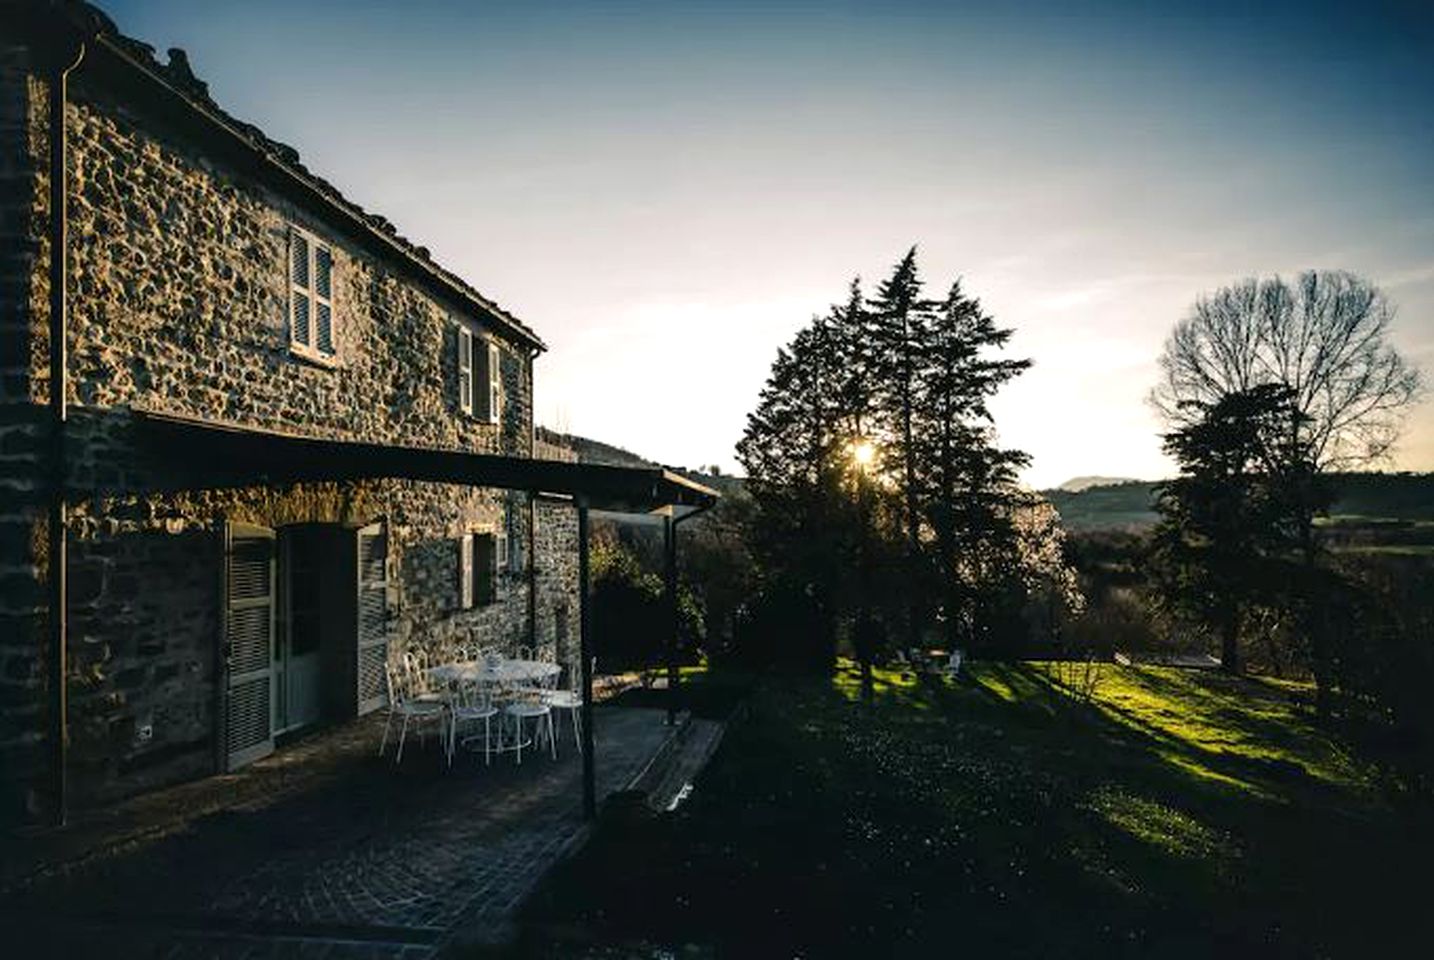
point(500, 560)
point(495, 385)
point(465, 369)
point(465, 571)
point(311, 303)
point(488, 402)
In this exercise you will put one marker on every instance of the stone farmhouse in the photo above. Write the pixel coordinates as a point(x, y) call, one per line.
point(252, 441)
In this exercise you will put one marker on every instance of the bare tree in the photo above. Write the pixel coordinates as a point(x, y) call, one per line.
point(1324, 336)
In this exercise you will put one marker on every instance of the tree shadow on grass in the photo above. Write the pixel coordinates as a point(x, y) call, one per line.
point(999, 806)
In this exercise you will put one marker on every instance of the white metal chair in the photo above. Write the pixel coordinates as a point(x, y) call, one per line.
point(403, 704)
point(526, 703)
point(953, 666)
point(568, 698)
point(417, 685)
point(469, 703)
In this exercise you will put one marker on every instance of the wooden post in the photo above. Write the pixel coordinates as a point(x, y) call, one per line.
point(669, 527)
point(586, 653)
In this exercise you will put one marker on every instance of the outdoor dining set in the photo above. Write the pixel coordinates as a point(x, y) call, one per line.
point(483, 699)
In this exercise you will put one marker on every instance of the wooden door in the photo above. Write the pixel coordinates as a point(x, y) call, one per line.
point(248, 644)
point(372, 627)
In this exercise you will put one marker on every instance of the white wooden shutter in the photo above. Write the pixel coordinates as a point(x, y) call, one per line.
point(495, 384)
point(465, 369)
point(372, 627)
point(465, 571)
point(300, 287)
point(323, 299)
point(248, 647)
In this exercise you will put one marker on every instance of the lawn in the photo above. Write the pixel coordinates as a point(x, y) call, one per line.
point(1173, 813)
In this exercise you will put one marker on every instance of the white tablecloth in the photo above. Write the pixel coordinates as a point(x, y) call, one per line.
point(503, 671)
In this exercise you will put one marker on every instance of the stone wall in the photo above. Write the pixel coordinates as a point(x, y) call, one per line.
point(556, 606)
point(22, 670)
point(179, 303)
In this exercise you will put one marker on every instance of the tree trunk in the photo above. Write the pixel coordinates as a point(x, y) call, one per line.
point(909, 457)
point(1230, 643)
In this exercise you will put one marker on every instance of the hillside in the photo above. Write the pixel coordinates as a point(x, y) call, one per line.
point(596, 451)
point(1119, 506)
point(1399, 497)
point(1077, 484)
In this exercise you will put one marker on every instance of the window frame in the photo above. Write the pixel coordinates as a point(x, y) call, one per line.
point(471, 575)
point(308, 346)
point(465, 382)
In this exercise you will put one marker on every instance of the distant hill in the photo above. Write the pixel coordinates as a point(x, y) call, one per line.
point(1077, 484)
point(596, 451)
point(1131, 505)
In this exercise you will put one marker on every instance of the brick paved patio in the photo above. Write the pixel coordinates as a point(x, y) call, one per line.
point(321, 850)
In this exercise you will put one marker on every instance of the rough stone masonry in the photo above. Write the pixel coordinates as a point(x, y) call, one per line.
point(180, 286)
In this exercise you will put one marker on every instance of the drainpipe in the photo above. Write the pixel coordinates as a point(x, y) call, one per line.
point(66, 56)
point(585, 647)
point(532, 521)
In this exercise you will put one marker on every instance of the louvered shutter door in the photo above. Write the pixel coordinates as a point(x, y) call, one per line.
point(372, 627)
point(248, 644)
point(483, 389)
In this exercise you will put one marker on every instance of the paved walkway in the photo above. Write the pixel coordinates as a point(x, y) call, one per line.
point(357, 859)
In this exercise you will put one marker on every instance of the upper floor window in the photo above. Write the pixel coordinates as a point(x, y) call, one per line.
point(480, 380)
point(311, 305)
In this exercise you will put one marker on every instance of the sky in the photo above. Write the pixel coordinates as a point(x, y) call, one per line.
point(668, 191)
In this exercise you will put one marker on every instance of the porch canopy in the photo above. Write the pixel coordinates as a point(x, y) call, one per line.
point(204, 454)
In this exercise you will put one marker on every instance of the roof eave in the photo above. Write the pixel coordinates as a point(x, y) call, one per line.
point(510, 325)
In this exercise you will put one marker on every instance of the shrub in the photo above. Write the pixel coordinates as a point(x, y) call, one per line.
point(631, 621)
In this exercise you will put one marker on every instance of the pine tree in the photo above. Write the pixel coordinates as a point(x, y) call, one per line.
point(792, 451)
point(964, 483)
point(897, 321)
point(910, 378)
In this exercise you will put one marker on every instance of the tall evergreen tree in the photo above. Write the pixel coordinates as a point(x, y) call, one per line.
point(792, 451)
point(903, 381)
point(1235, 515)
point(964, 483)
point(897, 321)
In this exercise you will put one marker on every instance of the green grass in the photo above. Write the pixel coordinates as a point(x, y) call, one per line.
point(1175, 813)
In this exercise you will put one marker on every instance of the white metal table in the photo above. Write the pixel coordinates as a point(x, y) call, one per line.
point(496, 673)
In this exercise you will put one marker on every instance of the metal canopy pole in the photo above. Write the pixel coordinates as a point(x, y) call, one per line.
point(586, 648)
point(65, 58)
point(669, 532)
